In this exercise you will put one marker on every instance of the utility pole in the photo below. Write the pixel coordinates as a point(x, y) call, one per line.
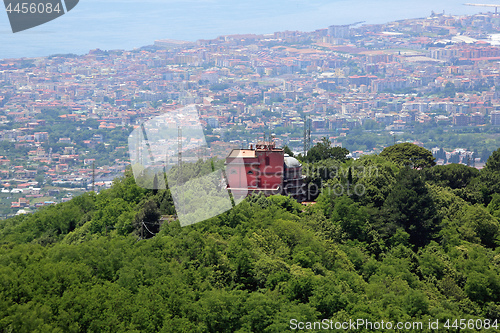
point(179, 160)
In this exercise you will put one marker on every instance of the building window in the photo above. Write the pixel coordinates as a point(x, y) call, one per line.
point(267, 160)
point(250, 172)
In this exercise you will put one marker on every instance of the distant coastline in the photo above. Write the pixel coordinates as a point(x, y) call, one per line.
point(127, 25)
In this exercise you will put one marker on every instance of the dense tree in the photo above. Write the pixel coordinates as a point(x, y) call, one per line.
point(409, 205)
point(490, 176)
point(477, 225)
point(493, 162)
point(323, 150)
point(452, 175)
point(373, 178)
point(409, 249)
point(409, 154)
point(494, 205)
point(288, 151)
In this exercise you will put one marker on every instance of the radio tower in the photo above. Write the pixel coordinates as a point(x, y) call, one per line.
point(179, 162)
point(307, 135)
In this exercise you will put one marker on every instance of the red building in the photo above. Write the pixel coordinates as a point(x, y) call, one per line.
point(265, 169)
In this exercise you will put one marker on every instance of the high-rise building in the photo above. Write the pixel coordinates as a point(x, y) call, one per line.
point(495, 118)
point(460, 119)
point(339, 31)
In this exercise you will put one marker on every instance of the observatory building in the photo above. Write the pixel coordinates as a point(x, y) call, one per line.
point(265, 169)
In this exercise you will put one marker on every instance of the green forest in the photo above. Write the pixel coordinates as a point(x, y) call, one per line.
point(403, 241)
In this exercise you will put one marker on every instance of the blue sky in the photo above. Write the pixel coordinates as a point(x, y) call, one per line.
point(125, 24)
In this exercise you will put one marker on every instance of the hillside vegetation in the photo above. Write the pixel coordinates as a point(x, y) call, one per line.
point(415, 244)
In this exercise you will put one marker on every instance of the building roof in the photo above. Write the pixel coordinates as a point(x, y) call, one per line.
point(242, 153)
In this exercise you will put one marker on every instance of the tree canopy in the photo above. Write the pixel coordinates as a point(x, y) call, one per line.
point(323, 150)
point(415, 245)
point(409, 154)
point(410, 206)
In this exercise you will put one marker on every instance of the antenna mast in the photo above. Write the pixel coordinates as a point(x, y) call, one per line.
point(307, 135)
point(179, 158)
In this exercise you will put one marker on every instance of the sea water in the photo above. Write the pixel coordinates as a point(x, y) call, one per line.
point(128, 24)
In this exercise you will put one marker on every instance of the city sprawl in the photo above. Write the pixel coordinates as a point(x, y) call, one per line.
point(65, 119)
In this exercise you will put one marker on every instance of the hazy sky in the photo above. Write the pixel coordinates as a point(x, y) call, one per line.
point(125, 24)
